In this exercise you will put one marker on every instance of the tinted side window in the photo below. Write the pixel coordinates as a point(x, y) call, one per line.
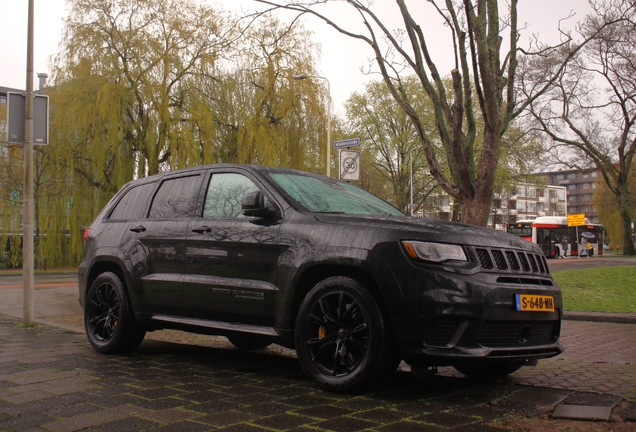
point(133, 203)
point(225, 195)
point(176, 198)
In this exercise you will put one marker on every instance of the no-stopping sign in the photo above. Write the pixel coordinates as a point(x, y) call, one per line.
point(349, 165)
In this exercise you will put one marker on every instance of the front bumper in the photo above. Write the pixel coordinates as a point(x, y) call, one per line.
point(468, 314)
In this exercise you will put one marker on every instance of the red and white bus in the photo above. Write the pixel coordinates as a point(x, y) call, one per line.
point(548, 232)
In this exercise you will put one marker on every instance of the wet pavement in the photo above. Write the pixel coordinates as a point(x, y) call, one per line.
point(52, 380)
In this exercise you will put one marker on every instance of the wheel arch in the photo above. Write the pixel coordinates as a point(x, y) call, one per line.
point(313, 275)
point(100, 267)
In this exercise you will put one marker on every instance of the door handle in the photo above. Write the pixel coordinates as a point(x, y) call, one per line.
point(138, 229)
point(202, 229)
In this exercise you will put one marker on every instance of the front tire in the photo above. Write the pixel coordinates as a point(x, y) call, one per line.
point(108, 317)
point(342, 340)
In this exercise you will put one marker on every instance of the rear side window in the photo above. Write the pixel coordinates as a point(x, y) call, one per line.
point(176, 198)
point(133, 203)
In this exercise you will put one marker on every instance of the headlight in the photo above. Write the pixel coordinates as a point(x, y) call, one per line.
point(436, 252)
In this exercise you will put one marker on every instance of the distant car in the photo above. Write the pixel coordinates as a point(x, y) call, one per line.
point(269, 255)
point(606, 247)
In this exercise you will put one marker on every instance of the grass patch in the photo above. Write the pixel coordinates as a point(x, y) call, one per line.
point(603, 289)
point(25, 326)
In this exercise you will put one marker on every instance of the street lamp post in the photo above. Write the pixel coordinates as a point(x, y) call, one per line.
point(328, 163)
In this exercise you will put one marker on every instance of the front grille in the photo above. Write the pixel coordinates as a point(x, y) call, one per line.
point(511, 261)
point(441, 332)
point(495, 334)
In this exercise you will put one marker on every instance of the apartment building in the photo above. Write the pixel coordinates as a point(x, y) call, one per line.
point(527, 201)
point(580, 185)
point(524, 202)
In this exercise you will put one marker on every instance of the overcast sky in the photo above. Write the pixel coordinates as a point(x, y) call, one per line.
point(342, 57)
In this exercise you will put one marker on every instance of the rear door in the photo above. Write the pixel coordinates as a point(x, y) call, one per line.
point(156, 244)
point(231, 259)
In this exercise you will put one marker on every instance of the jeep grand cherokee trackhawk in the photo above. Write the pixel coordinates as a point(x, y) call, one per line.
point(267, 255)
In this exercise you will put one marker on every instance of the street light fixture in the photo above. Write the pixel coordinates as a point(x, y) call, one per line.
point(328, 162)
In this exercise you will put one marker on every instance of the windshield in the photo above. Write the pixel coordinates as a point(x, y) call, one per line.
point(329, 196)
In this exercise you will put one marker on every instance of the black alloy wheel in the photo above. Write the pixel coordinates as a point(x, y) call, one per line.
point(108, 318)
point(341, 338)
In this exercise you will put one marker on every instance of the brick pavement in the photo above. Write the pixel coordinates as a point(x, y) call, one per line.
point(51, 380)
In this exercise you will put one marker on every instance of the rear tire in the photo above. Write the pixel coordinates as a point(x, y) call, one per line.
point(490, 371)
point(108, 317)
point(342, 340)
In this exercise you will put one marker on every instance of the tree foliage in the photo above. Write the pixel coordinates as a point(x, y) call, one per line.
point(145, 86)
point(590, 113)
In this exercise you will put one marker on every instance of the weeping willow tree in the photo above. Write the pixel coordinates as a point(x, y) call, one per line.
point(142, 86)
point(258, 113)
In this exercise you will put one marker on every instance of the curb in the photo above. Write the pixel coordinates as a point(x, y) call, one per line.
point(619, 318)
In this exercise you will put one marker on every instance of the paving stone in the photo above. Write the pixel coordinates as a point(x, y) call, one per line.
point(408, 426)
point(182, 426)
point(535, 397)
point(345, 424)
point(226, 418)
point(582, 412)
point(446, 419)
point(131, 424)
point(324, 411)
point(592, 399)
point(380, 415)
point(24, 422)
point(284, 421)
point(628, 413)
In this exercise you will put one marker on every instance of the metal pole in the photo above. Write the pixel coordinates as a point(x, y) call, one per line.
point(328, 162)
point(27, 226)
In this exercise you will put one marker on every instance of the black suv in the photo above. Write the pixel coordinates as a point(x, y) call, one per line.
point(267, 255)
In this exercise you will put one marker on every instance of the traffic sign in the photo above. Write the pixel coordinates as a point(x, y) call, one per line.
point(15, 118)
point(349, 165)
point(576, 219)
point(353, 142)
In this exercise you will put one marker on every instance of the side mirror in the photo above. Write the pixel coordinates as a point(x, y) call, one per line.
point(253, 204)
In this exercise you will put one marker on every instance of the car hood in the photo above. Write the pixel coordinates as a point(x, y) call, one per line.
point(412, 228)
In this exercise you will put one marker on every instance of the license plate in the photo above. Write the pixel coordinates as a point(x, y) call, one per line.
point(534, 303)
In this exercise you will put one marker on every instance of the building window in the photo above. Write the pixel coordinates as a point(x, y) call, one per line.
point(532, 192)
point(585, 174)
point(560, 194)
point(560, 177)
point(586, 186)
point(521, 191)
point(593, 185)
point(532, 207)
point(594, 174)
point(512, 205)
point(586, 197)
point(572, 175)
point(572, 210)
point(571, 187)
point(521, 206)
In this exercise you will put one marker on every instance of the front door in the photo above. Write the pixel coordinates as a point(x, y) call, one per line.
point(231, 259)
